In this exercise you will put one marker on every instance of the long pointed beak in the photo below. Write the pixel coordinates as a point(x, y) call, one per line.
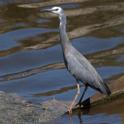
point(46, 10)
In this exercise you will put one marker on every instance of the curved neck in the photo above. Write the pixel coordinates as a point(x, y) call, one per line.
point(63, 35)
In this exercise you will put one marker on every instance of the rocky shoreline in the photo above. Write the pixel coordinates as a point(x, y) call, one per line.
point(15, 110)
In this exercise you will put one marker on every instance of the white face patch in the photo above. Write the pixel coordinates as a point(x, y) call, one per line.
point(57, 10)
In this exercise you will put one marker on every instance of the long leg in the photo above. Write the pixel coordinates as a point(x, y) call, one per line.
point(75, 98)
point(79, 103)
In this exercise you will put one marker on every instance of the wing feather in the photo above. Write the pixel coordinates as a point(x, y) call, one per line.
point(84, 71)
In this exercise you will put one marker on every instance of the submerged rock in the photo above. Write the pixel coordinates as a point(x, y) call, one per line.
point(15, 110)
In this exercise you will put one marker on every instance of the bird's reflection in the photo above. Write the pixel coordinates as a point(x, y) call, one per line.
point(80, 119)
point(81, 111)
point(100, 118)
point(79, 115)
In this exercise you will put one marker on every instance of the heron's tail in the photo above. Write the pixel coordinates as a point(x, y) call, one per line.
point(105, 89)
point(108, 91)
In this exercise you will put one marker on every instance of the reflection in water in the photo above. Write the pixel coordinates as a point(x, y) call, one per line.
point(31, 62)
point(90, 119)
point(110, 113)
point(99, 119)
point(31, 72)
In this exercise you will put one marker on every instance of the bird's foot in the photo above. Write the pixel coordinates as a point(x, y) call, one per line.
point(79, 104)
point(70, 110)
point(85, 103)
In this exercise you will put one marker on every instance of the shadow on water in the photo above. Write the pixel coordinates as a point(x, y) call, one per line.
point(31, 62)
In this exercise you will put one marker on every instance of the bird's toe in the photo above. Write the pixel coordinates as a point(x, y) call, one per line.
point(70, 110)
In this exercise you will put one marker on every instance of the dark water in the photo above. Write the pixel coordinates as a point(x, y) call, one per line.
point(31, 62)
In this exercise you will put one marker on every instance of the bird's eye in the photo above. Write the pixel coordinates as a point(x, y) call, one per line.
point(56, 9)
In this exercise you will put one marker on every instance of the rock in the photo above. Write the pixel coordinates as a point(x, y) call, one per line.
point(15, 110)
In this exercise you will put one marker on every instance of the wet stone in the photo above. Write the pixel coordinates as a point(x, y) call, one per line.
point(15, 110)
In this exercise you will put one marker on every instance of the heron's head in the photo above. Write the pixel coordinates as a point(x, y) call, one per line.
point(56, 10)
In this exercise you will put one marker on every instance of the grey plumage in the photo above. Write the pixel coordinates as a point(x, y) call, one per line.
point(76, 63)
point(83, 71)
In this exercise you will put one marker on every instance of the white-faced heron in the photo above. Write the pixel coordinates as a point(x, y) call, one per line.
point(77, 64)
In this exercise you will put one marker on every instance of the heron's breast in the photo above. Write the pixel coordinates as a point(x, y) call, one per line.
point(73, 66)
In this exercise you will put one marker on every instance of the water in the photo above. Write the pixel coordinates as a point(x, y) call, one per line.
point(31, 62)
